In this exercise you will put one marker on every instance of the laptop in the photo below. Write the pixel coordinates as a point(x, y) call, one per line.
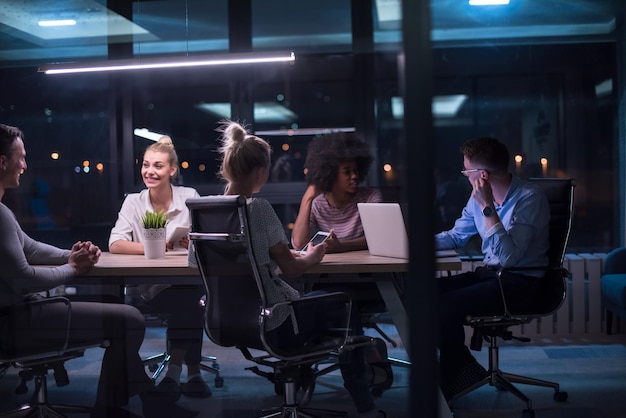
point(384, 229)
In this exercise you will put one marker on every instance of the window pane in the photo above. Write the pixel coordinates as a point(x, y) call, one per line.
point(302, 26)
point(65, 194)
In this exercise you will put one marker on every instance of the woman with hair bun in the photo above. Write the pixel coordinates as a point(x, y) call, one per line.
point(246, 167)
point(186, 325)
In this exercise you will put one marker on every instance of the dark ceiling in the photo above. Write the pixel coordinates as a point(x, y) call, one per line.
point(174, 26)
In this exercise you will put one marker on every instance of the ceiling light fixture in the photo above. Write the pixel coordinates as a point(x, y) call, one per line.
point(263, 111)
point(156, 63)
point(49, 23)
point(446, 106)
point(303, 131)
point(488, 2)
point(148, 134)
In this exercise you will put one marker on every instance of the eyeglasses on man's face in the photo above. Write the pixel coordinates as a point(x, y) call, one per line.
point(472, 170)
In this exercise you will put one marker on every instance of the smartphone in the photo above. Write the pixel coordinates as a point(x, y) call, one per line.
point(317, 239)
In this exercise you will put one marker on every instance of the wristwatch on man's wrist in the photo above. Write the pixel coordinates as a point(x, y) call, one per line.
point(488, 211)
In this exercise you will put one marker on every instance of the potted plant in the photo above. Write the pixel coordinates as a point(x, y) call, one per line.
point(154, 220)
point(154, 234)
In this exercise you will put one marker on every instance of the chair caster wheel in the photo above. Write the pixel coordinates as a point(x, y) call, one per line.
point(528, 413)
point(219, 382)
point(560, 396)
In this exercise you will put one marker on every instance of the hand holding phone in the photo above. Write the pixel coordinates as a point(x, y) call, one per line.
point(177, 234)
point(317, 239)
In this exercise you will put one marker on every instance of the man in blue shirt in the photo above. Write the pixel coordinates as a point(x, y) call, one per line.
point(511, 216)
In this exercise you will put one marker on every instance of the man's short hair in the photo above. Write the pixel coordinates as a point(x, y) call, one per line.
point(487, 152)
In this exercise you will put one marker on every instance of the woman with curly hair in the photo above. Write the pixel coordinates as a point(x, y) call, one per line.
point(336, 163)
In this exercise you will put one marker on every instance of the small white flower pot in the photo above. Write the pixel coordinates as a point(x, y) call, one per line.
point(154, 243)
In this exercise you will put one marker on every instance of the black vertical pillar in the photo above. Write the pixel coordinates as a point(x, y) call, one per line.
point(121, 115)
point(418, 143)
point(240, 40)
point(364, 78)
point(620, 146)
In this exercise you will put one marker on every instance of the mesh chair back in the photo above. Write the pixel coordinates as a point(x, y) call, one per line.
point(560, 194)
point(218, 225)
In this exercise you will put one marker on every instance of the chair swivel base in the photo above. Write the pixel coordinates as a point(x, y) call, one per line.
point(504, 381)
point(294, 411)
point(40, 407)
point(157, 363)
point(46, 410)
point(291, 408)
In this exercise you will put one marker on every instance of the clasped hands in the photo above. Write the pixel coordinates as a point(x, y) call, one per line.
point(83, 256)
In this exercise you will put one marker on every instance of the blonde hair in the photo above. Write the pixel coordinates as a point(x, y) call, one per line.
point(166, 146)
point(241, 153)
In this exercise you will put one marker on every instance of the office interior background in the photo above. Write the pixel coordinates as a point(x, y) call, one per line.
point(544, 77)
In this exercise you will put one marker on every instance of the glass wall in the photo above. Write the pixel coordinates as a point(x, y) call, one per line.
point(496, 72)
point(540, 75)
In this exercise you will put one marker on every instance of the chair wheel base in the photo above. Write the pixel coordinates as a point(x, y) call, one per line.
point(45, 410)
point(560, 396)
point(528, 413)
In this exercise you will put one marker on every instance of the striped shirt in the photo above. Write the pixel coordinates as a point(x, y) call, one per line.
point(345, 221)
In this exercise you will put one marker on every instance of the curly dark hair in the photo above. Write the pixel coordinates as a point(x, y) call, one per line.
point(325, 154)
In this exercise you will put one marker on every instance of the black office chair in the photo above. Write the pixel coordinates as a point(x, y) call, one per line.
point(37, 359)
point(237, 308)
point(550, 297)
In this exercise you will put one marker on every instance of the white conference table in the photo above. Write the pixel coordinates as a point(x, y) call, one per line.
point(350, 267)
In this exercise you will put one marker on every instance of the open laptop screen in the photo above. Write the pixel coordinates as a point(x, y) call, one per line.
point(384, 229)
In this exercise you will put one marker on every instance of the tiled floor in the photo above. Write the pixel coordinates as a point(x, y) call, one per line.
point(592, 371)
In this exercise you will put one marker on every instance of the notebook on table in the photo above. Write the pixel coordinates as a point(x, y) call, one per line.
point(384, 229)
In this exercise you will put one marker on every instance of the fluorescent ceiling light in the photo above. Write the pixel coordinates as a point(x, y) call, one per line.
point(604, 88)
point(388, 10)
point(145, 133)
point(263, 111)
point(177, 62)
point(488, 2)
point(448, 106)
point(303, 131)
point(49, 23)
point(93, 22)
point(442, 107)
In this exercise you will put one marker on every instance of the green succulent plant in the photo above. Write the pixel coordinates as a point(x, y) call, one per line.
point(154, 220)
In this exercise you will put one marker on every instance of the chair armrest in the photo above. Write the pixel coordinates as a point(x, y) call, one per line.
point(551, 272)
point(331, 313)
point(9, 351)
point(206, 236)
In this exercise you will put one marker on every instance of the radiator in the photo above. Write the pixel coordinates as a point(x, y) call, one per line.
point(581, 313)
